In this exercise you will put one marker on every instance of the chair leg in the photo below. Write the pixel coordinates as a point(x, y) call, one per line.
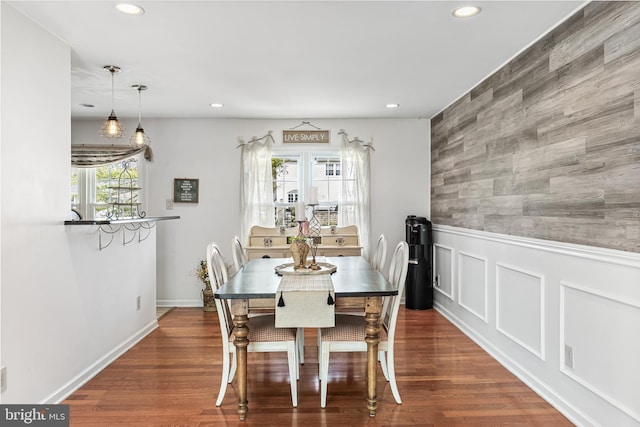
point(300, 342)
point(319, 346)
point(296, 354)
point(392, 377)
point(293, 372)
point(383, 364)
point(324, 373)
point(225, 377)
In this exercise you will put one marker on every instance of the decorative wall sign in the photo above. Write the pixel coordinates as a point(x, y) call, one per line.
point(305, 136)
point(185, 190)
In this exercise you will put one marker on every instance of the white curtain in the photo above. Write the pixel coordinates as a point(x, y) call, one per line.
point(256, 186)
point(354, 208)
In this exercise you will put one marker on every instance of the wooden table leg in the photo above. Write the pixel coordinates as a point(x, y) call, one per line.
point(240, 310)
point(373, 308)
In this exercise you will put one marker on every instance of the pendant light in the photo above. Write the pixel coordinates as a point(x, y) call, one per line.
point(112, 129)
point(139, 139)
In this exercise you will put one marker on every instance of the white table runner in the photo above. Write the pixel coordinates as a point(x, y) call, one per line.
point(305, 301)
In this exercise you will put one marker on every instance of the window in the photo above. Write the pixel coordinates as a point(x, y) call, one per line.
point(92, 188)
point(332, 169)
point(294, 173)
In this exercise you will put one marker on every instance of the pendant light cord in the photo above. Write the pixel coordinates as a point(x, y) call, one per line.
point(139, 105)
point(140, 88)
point(112, 88)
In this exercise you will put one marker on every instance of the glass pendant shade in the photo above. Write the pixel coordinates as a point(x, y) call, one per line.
point(112, 128)
point(139, 138)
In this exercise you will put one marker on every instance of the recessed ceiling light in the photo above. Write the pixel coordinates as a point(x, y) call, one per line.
point(216, 105)
point(466, 11)
point(392, 105)
point(130, 9)
point(87, 105)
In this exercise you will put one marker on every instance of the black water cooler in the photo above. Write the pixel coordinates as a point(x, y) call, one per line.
point(419, 284)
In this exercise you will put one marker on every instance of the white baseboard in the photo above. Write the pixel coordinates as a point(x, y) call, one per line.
point(79, 380)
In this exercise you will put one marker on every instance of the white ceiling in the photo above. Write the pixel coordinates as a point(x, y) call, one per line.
point(287, 59)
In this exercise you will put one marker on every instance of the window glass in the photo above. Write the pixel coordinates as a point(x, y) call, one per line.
point(294, 173)
point(111, 181)
point(286, 184)
point(325, 175)
point(332, 169)
point(94, 190)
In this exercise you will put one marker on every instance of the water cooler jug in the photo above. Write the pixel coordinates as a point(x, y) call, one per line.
point(419, 284)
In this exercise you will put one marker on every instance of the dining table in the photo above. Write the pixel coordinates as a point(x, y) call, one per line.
point(354, 277)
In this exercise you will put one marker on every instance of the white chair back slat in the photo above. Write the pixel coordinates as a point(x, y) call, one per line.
point(380, 254)
point(397, 277)
point(215, 266)
point(239, 256)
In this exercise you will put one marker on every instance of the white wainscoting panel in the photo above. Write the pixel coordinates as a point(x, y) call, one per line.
point(528, 301)
point(443, 269)
point(520, 307)
point(607, 364)
point(472, 284)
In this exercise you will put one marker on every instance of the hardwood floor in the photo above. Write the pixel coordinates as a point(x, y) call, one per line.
point(172, 377)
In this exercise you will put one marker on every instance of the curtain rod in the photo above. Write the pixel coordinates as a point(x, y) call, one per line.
point(241, 142)
point(358, 140)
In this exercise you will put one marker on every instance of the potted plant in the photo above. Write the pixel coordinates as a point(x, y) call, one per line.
point(208, 299)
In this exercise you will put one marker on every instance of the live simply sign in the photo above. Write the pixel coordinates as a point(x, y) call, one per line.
point(305, 136)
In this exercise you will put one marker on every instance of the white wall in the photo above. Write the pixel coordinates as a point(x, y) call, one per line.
point(525, 300)
point(67, 308)
point(206, 149)
point(1, 364)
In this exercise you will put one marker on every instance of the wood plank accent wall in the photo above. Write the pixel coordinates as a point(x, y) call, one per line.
point(549, 145)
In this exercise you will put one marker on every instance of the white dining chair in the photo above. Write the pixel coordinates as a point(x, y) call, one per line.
point(380, 255)
point(239, 257)
point(377, 260)
point(263, 336)
point(215, 266)
point(219, 272)
point(349, 332)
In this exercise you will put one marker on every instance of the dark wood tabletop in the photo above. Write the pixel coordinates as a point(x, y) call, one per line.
point(354, 277)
